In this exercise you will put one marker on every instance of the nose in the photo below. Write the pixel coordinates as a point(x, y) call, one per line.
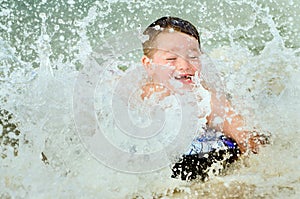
point(184, 64)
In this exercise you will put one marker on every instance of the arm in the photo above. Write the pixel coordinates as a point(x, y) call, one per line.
point(233, 124)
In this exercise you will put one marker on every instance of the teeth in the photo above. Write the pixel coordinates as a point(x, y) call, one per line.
point(183, 77)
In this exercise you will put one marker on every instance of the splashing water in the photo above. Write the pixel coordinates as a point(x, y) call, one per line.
point(254, 45)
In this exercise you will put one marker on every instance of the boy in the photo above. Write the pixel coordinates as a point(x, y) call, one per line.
point(172, 53)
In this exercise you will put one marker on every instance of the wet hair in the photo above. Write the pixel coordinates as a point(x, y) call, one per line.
point(165, 24)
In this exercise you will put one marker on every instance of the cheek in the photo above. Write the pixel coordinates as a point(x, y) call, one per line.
point(196, 65)
point(165, 70)
point(163, 66)
point(163, 73)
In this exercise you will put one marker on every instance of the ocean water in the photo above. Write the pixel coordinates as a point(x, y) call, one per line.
point(57, 58)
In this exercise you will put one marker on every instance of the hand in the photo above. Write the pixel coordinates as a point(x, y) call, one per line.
point(253, 141)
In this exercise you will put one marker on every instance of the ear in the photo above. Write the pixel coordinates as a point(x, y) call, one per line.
point(147, 62)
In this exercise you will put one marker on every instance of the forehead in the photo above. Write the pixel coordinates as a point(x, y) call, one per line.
point(176, 42)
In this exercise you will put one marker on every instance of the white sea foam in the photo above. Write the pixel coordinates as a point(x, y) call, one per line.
point(255, 50)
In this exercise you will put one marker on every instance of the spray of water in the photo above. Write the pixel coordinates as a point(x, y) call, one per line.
point(254, 45)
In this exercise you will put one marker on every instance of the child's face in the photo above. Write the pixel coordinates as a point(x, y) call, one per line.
point(176, 57)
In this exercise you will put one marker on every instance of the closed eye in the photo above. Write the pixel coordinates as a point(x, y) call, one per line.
point(193, 57)
point(171, 58)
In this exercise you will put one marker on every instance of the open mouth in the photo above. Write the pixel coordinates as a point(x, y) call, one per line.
point(184, 77)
